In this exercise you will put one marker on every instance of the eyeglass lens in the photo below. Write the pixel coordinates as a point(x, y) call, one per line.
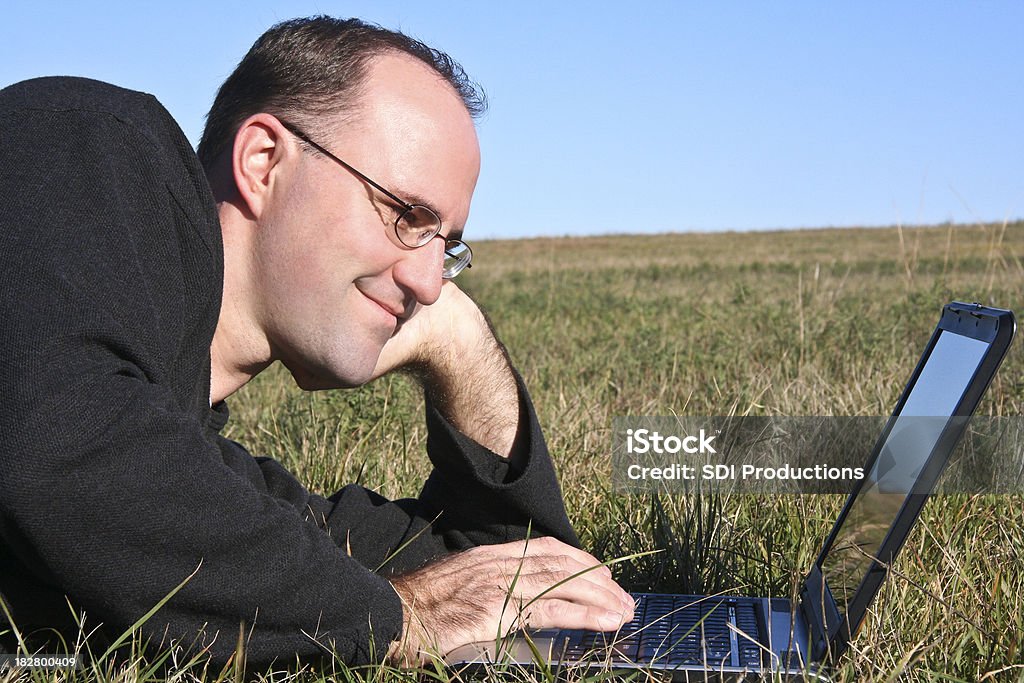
point(457, 256)
point(417, 225)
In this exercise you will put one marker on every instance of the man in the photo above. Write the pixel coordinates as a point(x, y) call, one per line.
point(141, 289)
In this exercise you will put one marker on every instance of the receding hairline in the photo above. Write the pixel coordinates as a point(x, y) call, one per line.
point(326, 121)
point(307, 97)
point(351, 110)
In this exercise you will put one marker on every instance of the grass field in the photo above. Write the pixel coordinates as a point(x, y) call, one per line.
point(811, 322)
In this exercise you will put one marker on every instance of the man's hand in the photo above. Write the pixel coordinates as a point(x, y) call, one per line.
point(451, 348)
point(475, 595)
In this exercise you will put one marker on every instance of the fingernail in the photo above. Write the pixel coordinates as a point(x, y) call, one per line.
point(611, 620)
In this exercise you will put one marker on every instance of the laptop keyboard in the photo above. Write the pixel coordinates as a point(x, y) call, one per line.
point(676, 630)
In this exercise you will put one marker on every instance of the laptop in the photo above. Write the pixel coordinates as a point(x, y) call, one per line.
point(694, 637)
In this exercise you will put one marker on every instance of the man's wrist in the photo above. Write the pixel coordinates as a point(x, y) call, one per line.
point(465, 350)
point(470, 381)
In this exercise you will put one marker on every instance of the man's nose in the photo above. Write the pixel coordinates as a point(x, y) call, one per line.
point(419, 271)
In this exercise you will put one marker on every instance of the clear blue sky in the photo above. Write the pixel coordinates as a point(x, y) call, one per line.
point(644, 116)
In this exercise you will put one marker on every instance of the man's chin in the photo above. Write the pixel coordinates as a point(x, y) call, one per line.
point(325, 378)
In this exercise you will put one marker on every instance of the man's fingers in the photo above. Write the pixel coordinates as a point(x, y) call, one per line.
point(545, 566)
point(582, 562)
point(558, 578)
point(546, 545)
point(553, 613)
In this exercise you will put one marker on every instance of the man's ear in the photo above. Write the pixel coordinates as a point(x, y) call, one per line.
point(261, 145)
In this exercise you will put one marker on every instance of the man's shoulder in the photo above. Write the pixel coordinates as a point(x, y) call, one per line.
point(95, 108)
point(101, 190)
point(81, 120)
point(73, 93)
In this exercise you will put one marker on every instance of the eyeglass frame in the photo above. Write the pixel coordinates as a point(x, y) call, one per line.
point(406, 206)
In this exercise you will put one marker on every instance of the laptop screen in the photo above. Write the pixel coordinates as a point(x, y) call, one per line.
point(933, 399)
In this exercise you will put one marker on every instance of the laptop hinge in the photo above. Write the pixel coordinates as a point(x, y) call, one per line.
point(814, 601)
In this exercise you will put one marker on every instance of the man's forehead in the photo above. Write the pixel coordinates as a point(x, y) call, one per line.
point(412, 127)
point(400, 80)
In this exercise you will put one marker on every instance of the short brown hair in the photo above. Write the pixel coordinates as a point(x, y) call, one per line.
point(313, 67)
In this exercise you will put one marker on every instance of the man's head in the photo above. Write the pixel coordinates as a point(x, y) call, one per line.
point(310, 70)
point(314, 269)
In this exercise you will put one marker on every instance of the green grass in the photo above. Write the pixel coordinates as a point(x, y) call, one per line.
point(815, 322)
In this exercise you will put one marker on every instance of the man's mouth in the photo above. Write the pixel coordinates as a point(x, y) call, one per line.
point(397, 313)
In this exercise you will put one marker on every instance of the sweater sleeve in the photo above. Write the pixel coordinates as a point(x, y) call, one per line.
point(111, 490)
point(472, 497)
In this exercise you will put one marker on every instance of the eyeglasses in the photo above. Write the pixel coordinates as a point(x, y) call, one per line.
point(415, 226)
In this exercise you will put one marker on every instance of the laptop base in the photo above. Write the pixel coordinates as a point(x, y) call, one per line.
point(690, 637)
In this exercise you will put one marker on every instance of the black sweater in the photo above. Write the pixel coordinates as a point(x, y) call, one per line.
point(115, 484)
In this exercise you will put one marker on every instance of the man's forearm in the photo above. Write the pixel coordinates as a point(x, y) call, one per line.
point(470, 382)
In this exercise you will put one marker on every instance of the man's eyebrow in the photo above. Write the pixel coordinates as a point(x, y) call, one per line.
point(413, 198)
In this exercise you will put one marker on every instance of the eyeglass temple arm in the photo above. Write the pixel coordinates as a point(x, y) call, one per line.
point(468, 265)
point(305, 138)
